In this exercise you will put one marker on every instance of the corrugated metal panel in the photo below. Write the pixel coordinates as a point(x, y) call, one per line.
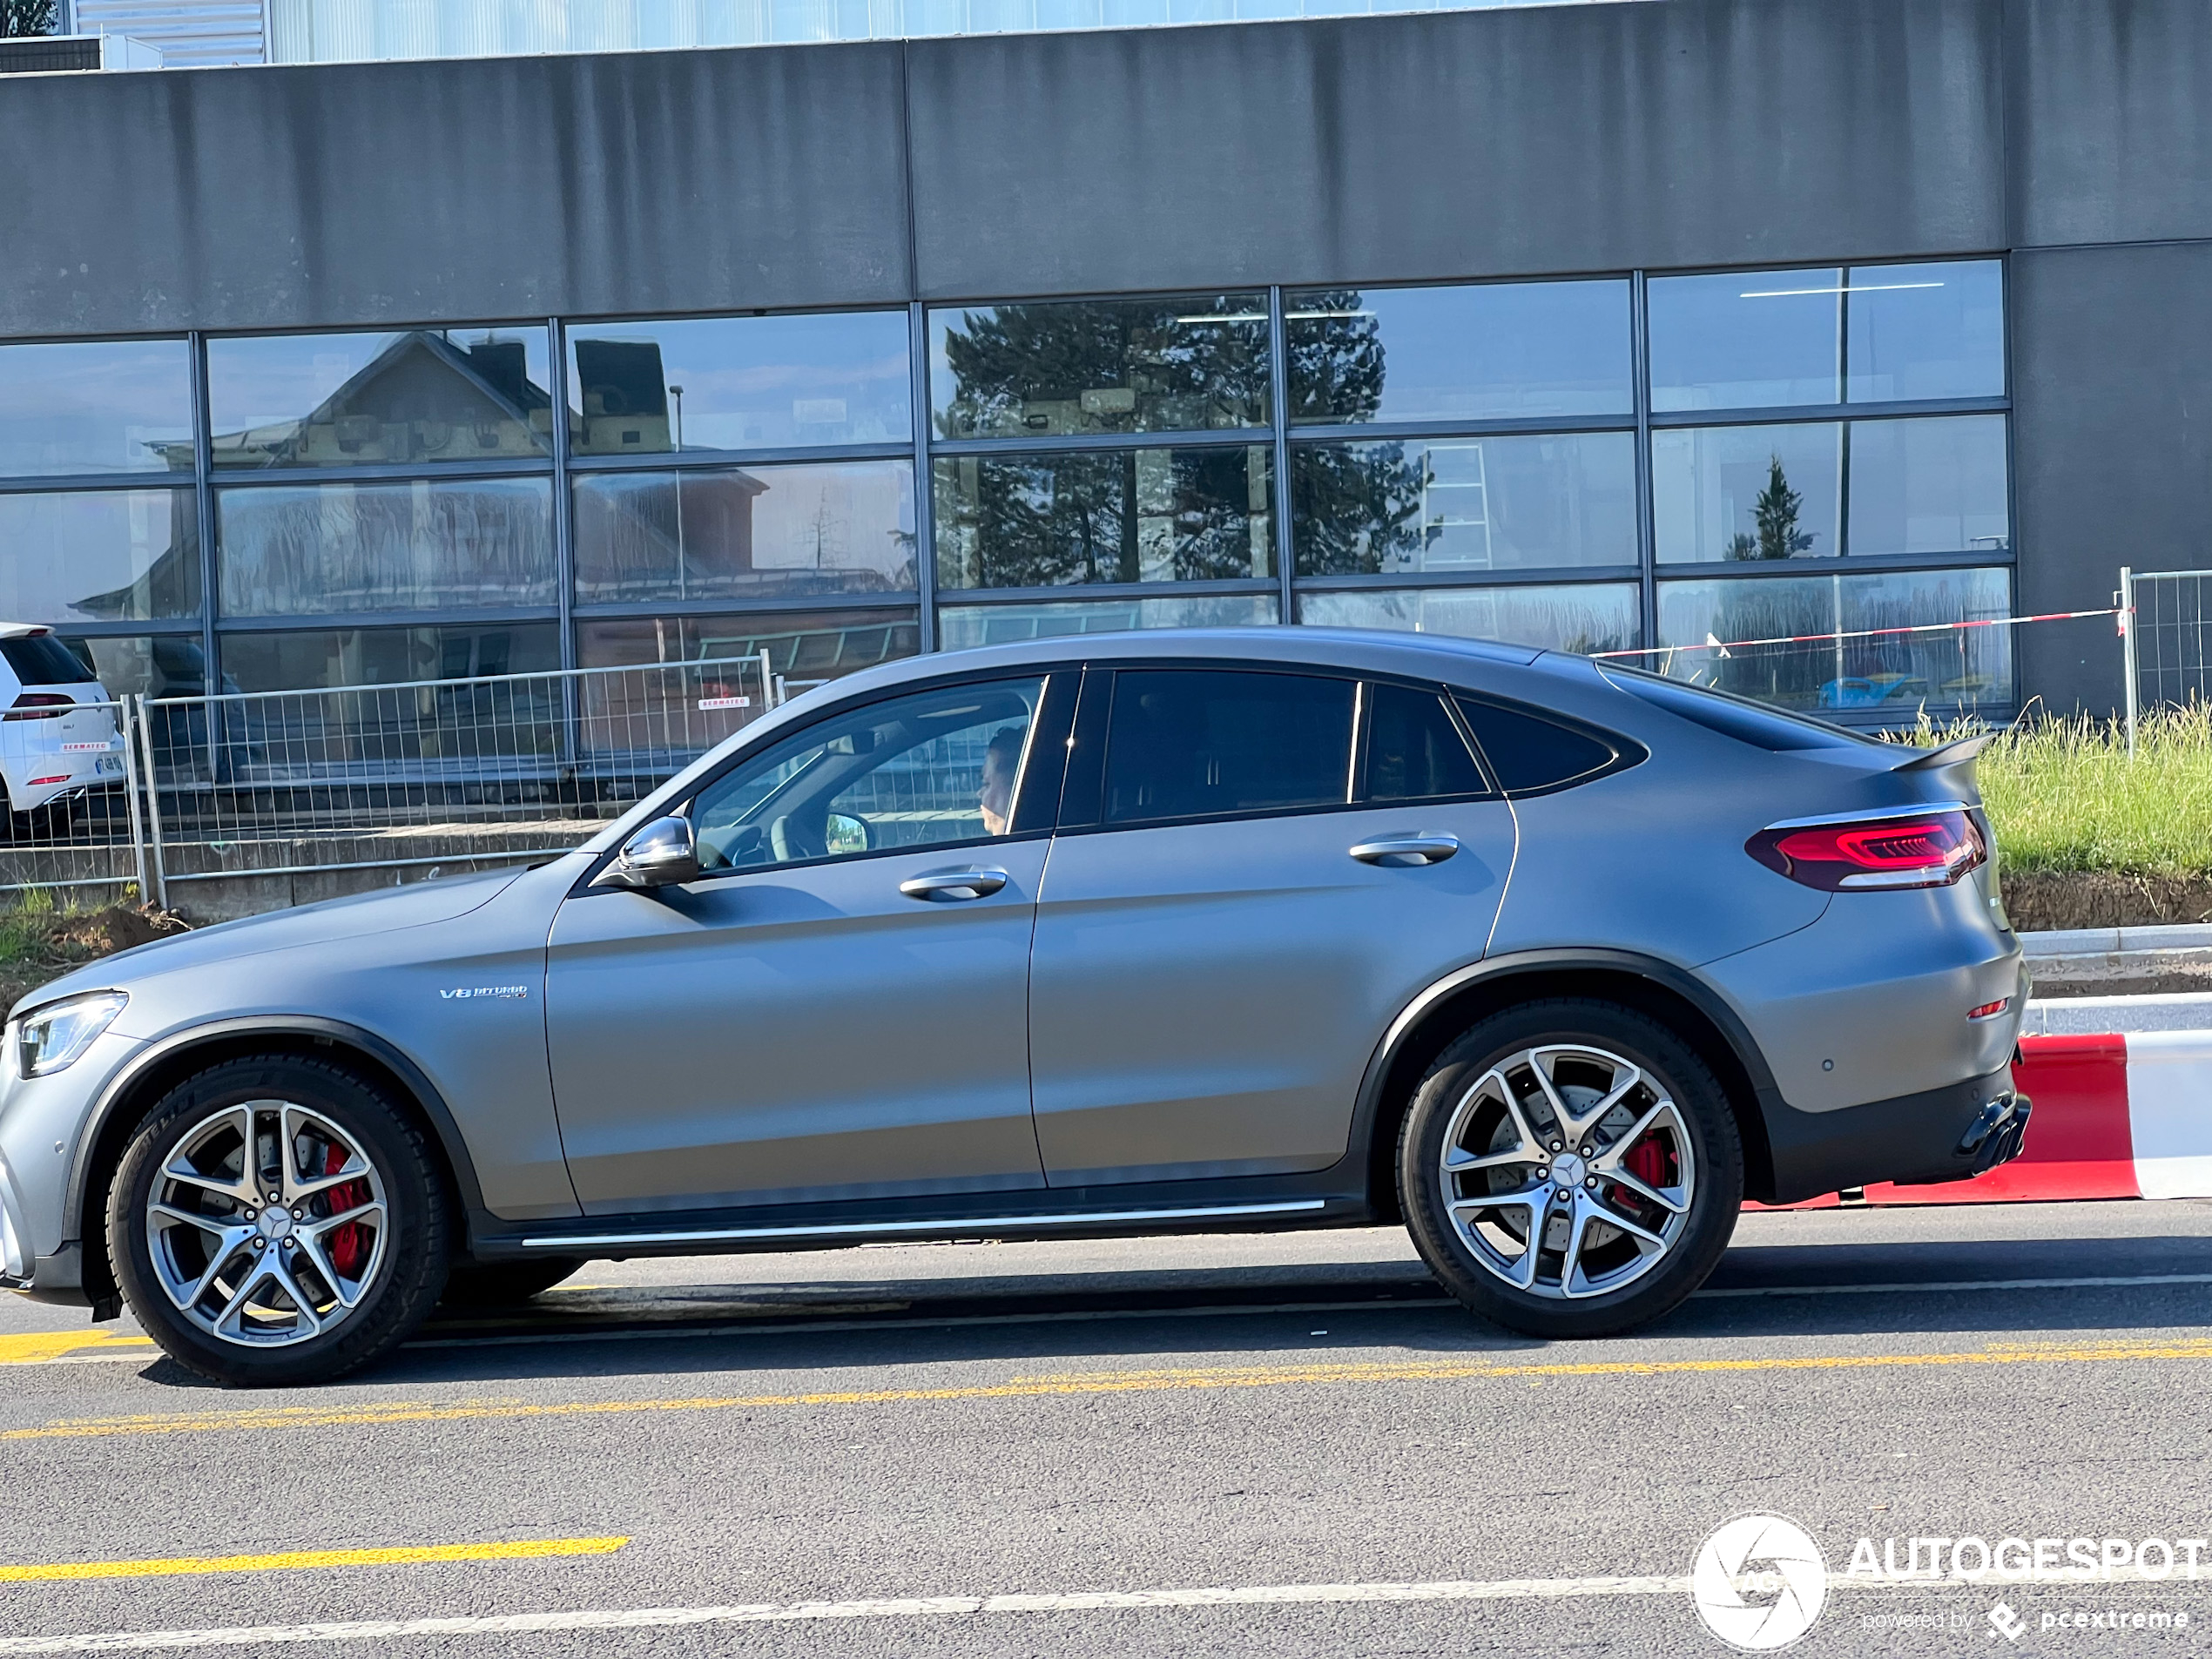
point(187, 33)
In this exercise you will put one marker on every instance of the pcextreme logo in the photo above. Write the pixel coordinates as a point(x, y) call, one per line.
point(1759, 1583)
point(467, 991)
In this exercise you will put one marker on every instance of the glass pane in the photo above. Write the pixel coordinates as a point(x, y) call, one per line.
point(1579, 616)
point(1886, 677)
point(1183, 743)
point(1414, 752)
point(1745, 339)
point(1527, 752)
point(143, 665)
point(109, 556)
point(961, 626)
point(739, 383)
point(1927, 331)
point(1170, 364)
point(726, 534)
point(1439, 505)
point(1935, 486)
point(122, 406)
point(1145, 515)
point(385, 656)
point(321, 549)
point(926, 770)
point(1747, 492)
point(806, 648)
point(1479, 352)
point(361, 400)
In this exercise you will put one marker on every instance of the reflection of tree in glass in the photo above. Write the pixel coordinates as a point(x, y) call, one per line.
point(1046, 521)
point(1106, 366)
point(1774, 514)
point(1354, 510)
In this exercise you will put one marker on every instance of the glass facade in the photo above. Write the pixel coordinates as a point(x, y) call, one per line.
point(1658, 463)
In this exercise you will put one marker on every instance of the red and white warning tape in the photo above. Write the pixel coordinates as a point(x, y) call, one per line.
point(1861, 633)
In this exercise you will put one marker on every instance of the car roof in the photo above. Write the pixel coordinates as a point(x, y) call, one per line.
point(23, 629)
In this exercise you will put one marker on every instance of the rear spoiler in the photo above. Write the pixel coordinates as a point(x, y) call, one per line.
point(1949, 754)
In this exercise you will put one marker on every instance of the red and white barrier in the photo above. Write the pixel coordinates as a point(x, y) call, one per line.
point(2119, 1116)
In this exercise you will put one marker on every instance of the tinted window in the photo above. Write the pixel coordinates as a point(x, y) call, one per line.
point(1414, 749)
point(1528, 753)
point(1199, 743)
point(1170, 364)
point(40, 659)
point(739, 383)
point(425, 395)
point(1454, 354)
point(1446, 504)
point(940, 765)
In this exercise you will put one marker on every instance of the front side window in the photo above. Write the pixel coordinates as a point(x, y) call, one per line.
point(1207, 742)
point(933, 769)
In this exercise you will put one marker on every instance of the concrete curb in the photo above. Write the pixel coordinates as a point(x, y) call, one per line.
point(2115, 1015)
point(2086, 955)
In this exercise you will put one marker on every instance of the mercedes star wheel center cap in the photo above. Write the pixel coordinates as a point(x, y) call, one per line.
point(1568, 1169)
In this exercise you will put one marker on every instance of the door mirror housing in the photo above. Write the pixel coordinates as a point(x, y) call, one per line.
point(664, 854)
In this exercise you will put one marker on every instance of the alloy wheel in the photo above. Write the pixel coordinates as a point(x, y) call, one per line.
point(1568, 1170)
point(266, 1223)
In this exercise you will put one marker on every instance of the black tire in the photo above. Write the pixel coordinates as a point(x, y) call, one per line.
point(1714, 1146)
point(400, 1286)
point(475, 1286)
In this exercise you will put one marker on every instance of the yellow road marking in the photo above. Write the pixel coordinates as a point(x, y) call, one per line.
point(39, 1347)
point(1079, 1383)
point(293, 1560)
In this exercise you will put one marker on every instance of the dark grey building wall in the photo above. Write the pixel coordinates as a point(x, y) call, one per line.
point(1530, 141)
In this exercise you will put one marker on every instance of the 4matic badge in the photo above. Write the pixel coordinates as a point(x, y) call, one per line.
point(462, 991)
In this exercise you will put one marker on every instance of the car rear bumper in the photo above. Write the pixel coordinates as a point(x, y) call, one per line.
point(1949, 1134)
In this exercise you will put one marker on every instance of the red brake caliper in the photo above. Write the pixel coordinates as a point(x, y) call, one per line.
point(347, 1245)
point(1650, 1162)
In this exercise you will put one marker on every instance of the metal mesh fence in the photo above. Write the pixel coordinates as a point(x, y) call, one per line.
point(2171, 635)
point(72, 813)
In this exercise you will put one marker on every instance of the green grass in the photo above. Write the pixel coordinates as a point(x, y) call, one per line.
point(24, 929)
point(2063, 795)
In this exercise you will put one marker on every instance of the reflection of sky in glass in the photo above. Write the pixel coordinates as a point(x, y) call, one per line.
point(1489, 350)
point(961, 626)
point(1582, 617)
point(64, 549)
point(93, 406)
point(769, 382)
point(277, 379)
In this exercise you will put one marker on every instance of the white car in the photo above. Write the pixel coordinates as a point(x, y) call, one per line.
point(59, 736)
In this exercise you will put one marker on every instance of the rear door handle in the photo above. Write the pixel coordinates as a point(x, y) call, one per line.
point(1401, 850)
point(943, 885)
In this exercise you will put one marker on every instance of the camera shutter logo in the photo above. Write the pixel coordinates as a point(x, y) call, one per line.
point(1759, 1583)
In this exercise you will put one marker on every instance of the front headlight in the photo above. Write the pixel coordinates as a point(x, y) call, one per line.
point(49, 1038)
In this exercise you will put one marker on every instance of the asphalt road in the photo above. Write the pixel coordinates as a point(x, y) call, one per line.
point(1025, 1449)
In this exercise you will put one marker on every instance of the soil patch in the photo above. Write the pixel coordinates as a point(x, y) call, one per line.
point(37, 947)
point(2044, 900)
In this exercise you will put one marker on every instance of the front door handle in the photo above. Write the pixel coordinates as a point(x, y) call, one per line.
point(1401, 850)
point(942, 885)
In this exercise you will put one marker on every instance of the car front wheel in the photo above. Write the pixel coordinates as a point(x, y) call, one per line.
point(1570, 1168)
point(277, 1220)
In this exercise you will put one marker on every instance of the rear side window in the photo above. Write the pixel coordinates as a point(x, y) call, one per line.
point(40, 659)
point(1201, 743)
point(1414, 749)
point(1530, 752)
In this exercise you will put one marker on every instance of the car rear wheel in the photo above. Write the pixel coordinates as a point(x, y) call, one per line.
point(473, 1285)
point(1570, 1169)
point(278, 1221)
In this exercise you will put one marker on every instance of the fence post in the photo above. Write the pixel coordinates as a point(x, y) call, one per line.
point(2126, 603)
point(125, 728)
point(154, 805)
point(767, 682)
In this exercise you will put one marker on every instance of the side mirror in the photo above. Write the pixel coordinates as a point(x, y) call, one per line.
point(662, 854)
point(848, 834)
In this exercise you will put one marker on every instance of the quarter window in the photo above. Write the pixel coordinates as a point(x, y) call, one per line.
point(929, 770)
point(1528, 753)
point(1205, 743)
point(1414, 749)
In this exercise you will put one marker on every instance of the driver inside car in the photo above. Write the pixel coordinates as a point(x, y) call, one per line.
point(1002, 764)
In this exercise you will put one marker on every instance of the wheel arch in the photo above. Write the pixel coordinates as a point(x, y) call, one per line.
point(1659, 989)
point(132, 1093)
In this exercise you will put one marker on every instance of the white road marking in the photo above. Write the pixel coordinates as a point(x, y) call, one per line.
point(927, 1606)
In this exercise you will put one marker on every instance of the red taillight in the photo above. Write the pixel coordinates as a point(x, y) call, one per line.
point(39, 705)
point(1923, 849)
